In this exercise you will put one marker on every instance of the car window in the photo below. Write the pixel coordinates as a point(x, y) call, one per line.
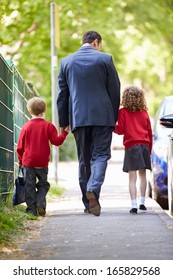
point(166, 108)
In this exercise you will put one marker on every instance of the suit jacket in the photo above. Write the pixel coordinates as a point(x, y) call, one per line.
point(88, 89)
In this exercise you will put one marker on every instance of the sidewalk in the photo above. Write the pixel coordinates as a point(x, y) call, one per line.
point(115, 234)
point(69, 234)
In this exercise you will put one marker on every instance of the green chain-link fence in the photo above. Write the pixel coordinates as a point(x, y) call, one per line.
point(14, 93)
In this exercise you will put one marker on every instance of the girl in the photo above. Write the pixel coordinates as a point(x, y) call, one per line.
point(134, 123)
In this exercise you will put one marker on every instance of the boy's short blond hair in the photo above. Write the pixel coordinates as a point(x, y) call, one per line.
point(36, 106)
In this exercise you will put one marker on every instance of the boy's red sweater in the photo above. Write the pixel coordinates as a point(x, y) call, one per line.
point(136, 128)
point(33, 147)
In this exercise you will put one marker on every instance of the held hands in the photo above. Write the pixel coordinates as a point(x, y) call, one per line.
point(66, 128)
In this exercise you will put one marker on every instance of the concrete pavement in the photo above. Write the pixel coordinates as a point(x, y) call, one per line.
point(69, 234)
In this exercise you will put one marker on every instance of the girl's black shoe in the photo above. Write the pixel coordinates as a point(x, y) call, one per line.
point(142, 207)
point(134, 211)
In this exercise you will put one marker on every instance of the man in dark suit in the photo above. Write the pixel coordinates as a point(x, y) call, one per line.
point(88, 100)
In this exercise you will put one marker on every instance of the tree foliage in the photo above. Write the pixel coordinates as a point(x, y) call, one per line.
point(138, 34)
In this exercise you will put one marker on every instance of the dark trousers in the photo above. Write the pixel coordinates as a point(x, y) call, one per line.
point(93, 148)
point(36, 188)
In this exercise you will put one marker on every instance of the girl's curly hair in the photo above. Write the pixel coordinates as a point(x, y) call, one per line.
point(133, 99)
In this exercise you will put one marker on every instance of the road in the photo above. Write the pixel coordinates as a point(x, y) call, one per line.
point(68, 234)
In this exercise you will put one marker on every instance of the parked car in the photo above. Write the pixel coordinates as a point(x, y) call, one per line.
point(158, 179)
point(167, 121)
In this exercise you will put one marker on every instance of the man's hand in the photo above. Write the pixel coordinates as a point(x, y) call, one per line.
point(65, 128)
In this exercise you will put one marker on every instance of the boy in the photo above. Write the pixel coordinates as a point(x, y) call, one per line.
point(33, 150)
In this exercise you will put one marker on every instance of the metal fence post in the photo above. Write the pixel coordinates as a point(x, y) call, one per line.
point(54, 63)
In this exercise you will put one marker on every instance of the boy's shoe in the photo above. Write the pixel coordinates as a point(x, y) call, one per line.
point(41, 211)
point(134, 211)
point(29, 211)
point(142, 207)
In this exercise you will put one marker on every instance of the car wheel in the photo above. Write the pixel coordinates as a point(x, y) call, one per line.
point(170, 202)
point(163, 202)
point(149, 192)
point(171, 210)
point(170, 192)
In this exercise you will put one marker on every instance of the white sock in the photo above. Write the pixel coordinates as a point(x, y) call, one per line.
point(134, 203)
point(142, 200)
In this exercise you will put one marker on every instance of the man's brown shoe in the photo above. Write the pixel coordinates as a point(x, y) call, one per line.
point(94, 206)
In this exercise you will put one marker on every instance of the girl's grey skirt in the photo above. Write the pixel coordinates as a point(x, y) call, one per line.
point(137, 157)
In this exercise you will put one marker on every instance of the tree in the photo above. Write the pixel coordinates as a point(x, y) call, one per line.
point(138, 34)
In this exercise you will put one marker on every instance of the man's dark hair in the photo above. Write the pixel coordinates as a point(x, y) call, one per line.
point(90, 36)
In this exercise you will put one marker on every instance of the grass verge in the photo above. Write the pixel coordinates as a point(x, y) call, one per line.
point(13, 218)
point(11, 223)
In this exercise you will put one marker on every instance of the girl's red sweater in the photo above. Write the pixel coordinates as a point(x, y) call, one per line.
point(33, 147)
point(135, 126)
